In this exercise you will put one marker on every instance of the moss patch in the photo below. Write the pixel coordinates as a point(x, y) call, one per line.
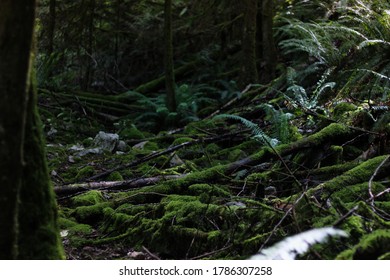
point(88, 198)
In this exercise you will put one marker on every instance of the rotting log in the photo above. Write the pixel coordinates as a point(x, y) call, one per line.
point(112, 185)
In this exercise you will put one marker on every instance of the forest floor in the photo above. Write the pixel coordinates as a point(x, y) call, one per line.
point(221, 187)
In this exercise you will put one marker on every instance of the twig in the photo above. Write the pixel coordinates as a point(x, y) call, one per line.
point(372, 197)
point(281, 220)
point(370, 200)
point(211, 253)
point(150, 253)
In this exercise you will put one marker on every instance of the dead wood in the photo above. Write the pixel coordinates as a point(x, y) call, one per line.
point(112, 185)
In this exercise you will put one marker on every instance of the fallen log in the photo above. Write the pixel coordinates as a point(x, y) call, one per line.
point(113, 185)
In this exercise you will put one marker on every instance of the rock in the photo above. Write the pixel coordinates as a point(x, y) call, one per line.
point(122, 146)
point(106, 141)
point(52, 132)
point(76, 148)
point(90, 151)
point(140, 145)
point(175, 161)
point(136, 255)
point(236, 203)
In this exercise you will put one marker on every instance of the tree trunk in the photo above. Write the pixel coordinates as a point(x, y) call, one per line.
point(38, 231)
point(168, 57)
point(269, 54)
point(52, 26)
point(88, 76)
point(16, 31)
point(27, 211)
point(249, 69)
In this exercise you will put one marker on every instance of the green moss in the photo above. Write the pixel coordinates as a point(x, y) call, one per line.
point(366, 211)
point(212, 148)
point(342, 108)
point(151, 146)
point(90, 214)
point(87, 171)
point(70, 173)
point(354, 225)
point(385, 256)
point(115, 176)
point(214, 236)
point(333, 132)
point(198, 189)
point(371, 246)
point(326, 172)
point(64, 223)
point(357, 192)
point(259, 176)
point(236, 154)
point(182, 140)
point(383, 205)
point(80, 229)
point(119, 222)
point(87, 142)
point(88, 198)
point(146, 169)
point(195, 127)
point(359, 174)
point(131, 132)
point(335, 155)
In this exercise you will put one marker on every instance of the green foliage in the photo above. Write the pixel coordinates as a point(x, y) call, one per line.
point(85, 172)
point(280, 122)
point(257, 132)
point(50, 76)
point(192, 100)
point(356, 45)
point(371, 247)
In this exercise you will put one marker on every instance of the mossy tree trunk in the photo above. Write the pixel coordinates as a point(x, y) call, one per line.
point(27, 210)
point(16, 30)
point(38, 231)
point(168, 57)
point(249, 72)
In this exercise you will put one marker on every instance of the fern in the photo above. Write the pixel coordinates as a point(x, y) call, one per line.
point(359, 39)
point(279, 121)
point(257, 132)
point(291, 247)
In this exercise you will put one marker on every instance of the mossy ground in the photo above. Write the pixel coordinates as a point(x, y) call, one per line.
point(234, 195)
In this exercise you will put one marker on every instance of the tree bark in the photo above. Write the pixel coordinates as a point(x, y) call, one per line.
point(27, 210)
point(16, 31)
point(168, 57)
point(269, 53)
point(38, 230)
point(52, 25)
point(249, 72)
point(88, 77)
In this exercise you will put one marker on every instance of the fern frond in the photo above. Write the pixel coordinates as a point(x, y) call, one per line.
point(372, 42)
point(291, 247)
point(257, 132)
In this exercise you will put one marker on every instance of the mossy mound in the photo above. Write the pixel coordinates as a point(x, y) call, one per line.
point(88, 198)
point(373, 246)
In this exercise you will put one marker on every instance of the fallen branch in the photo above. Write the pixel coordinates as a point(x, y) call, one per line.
point(113, 185)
